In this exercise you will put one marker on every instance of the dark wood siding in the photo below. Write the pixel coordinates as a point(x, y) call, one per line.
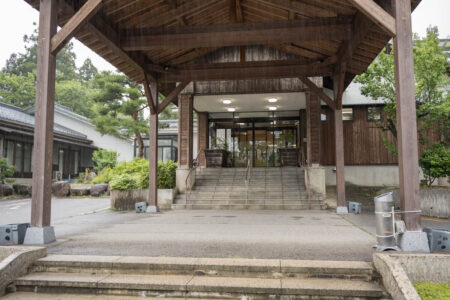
point(363, 142)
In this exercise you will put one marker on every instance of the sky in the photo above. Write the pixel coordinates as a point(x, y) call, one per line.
point(17, 17)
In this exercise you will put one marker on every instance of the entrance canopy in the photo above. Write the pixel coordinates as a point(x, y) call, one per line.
point(164, 39)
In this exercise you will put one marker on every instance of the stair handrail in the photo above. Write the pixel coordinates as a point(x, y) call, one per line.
point(307, 184)
point(248, 171)
point(192, 170)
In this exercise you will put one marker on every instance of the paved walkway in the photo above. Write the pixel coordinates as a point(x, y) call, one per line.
point(226, 233)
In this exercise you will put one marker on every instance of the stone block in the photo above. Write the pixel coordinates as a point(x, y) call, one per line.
point(61, 188)
point(22, 189)
point(80, 191)
point(414, 241)
point(5, 190)
point(99, 189)
point(39, 235)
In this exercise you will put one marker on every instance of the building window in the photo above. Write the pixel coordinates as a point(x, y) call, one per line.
point(323, 116)
point(347, 114)
point(374, 113)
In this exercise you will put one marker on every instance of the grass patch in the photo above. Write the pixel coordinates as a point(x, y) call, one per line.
point(433, 291)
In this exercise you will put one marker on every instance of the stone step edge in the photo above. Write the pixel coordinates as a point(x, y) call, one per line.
point(317, 267)
point(181, 283)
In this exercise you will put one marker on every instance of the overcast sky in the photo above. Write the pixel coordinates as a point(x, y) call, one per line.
point(17, 17)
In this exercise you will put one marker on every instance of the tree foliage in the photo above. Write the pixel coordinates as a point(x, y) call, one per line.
point(104, 159)
point(6, 170)
point(435, 162)
point(431, 87)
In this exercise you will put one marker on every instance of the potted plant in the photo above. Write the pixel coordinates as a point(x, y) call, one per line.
point(216, 157)
point(288, 153)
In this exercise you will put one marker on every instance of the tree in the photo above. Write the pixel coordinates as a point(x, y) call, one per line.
point(120, 105)
point(87, 71)
point(431, 81)
point(104, 159)
point(77, 96)
point(6, 170)
point(18, 90)
point(435, 162)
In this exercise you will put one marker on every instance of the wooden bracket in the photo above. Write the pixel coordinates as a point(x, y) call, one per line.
point(148, 93)
point(172, 95)
point(316, 90)
point(339, 83)
point(377, 14)
point(80, 18)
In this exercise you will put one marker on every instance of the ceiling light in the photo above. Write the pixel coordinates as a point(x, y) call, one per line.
point(272, 100)
point(272, 108)
point(226, 101)
point(231, 109)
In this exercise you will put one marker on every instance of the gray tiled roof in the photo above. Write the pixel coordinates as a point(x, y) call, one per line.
point(15, 114)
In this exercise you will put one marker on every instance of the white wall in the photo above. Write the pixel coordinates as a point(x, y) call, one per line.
point(365, 175)
point(123, 147)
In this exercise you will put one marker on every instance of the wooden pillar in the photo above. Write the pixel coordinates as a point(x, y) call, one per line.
point(185, 131)
point(338, 89)
point(153, 149)
point(313, 128)
point(202, 135)
point(406, 115)
point(43, 129)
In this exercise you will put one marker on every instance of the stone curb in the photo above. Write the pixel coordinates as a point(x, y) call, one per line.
point(16, 262)
point(395, 279)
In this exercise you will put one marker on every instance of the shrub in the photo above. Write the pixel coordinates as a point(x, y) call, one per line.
point(435, 162)
point(6, 171)
point(134, 175)
point(104, 159)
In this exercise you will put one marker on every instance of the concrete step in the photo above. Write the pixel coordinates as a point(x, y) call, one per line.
point(208, 278)
point(262, 206)
point(182, 286)
point(74, 296)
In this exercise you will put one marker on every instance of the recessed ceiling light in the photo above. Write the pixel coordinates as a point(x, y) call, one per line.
point(272, 108)
point(231, 109)
point(226, 101)
point(272, 100)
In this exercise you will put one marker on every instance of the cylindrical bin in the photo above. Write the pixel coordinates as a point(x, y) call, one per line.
point(385, 222)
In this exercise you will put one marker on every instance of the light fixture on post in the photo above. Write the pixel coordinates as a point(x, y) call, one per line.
point(231, 109)
point(272, 108)
point(226, 101)
point(272, 100)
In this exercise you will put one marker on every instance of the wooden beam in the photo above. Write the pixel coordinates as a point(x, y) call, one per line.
point(377, 14)
point(241, 34)
point(172, 96)
point(80, 18)
point(319, 92)
point(43, 130)
point(148, 95)
point(299, 7)
point(110, 38)
point(247, 70)
point(406, 116)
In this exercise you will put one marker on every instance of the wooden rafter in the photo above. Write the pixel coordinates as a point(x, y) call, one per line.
point(319, 92)
point(172, 96)
point(238, 34)
point(81, 17)
point(377, 14)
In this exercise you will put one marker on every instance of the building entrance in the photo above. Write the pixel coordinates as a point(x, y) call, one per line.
point(254, 136)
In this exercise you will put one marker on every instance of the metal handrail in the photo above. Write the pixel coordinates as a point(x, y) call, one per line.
point(194, 169)
point(248, 172)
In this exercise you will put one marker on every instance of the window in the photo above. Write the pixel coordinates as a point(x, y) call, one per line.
point(373, 113)
point(347, 114)
point(323, 117)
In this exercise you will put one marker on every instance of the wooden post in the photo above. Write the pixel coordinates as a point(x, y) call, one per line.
point(313, 128)
point(153, 150)
point(43, 129)
point(338, 89)
point(406, 116)
point(185, 130)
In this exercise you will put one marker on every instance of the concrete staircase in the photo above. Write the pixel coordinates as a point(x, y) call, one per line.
point(268, 188)
point(104, 277)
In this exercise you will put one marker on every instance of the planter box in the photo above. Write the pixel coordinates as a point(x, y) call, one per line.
point(215, 158)
point(125, 200)
point(288, 157)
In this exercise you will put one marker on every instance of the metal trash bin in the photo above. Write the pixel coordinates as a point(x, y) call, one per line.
point(13, 234)
point(384, 216)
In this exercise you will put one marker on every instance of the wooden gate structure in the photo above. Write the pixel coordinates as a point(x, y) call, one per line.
point(160, 42)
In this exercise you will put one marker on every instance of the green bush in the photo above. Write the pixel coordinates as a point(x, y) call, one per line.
point(432, 290)
point(104, 159)
point(6, 171)
point(435, 162)
point(134, 175)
